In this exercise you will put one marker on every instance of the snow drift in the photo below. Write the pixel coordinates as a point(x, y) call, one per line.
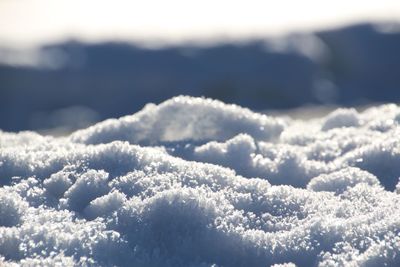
point(195, 182)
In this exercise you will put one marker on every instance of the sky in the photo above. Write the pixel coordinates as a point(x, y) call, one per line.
point(27, 23)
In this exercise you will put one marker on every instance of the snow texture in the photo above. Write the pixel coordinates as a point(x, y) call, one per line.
point(195, 182)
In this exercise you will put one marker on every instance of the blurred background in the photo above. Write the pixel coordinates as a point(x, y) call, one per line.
point(67, 64)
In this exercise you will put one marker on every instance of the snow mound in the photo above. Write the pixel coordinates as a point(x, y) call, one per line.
point(195, 182)
point(341, 180)
point(341, 118)
point(182, 118)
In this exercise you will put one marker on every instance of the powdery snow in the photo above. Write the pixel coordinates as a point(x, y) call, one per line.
point(195, 182)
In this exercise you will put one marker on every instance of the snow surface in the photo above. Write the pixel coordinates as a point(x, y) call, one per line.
point(195, 182)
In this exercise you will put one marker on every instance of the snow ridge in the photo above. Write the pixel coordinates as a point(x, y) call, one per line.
point(196, 182)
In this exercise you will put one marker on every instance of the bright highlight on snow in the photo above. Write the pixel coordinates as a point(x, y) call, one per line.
point(196, 182)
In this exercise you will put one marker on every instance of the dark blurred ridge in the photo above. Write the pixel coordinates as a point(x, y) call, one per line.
point(348, 66)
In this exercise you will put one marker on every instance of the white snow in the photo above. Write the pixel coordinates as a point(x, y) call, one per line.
point(341, 118)
point(195, 182)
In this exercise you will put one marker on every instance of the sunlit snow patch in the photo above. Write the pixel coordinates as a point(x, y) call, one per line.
point(196, 182)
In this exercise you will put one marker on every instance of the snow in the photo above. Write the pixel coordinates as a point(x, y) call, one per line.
point(341, 118)
point(182, 118)
point(341, 180)
point(196, 182)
